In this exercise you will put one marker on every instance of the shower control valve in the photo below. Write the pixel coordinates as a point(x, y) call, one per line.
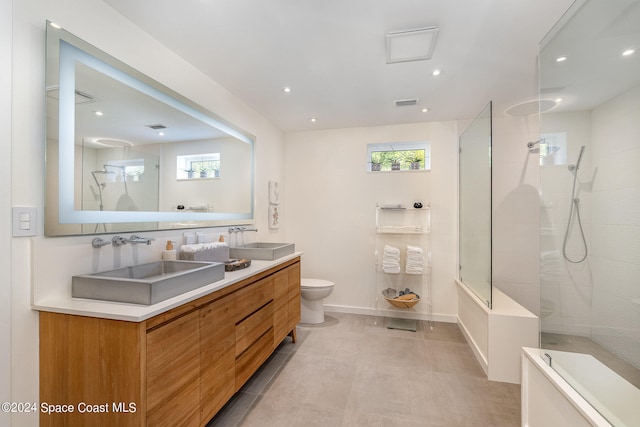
point(118, 241)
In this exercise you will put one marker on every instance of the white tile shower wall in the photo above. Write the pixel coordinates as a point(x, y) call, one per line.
point(100, 25)
point(566, 289)
point(331, 201)
point(616, 225)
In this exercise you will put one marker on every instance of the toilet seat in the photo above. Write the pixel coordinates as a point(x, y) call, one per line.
point(315, 283)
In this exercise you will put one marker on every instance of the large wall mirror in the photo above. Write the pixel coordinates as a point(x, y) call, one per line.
point(125, 153)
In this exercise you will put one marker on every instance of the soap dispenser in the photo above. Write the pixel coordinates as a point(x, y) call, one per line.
point(169, 254)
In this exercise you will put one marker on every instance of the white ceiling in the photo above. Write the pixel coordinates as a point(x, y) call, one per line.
point(332, 54)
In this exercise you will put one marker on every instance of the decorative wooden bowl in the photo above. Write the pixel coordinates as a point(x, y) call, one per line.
point(391, 295)
point(236, 264)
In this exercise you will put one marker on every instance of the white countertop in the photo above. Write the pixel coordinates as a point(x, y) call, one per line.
point(137, 313)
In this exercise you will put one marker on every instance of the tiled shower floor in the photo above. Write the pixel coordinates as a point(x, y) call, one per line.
point(353, 371)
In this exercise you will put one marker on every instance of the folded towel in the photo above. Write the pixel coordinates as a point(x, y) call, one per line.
point(415, 260)
point(393, 269)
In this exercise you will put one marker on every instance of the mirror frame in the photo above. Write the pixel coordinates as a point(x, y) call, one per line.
point(72, 49)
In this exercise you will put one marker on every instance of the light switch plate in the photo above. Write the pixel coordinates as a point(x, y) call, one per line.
point(25, 221)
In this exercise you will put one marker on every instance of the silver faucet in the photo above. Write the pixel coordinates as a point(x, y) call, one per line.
point(118, 241)
point(139, 239)
point(99, 242)
point(241, 229)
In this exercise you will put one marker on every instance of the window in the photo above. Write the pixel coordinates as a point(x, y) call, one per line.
point(197, 166)
point(553, 149)
point(408, 156)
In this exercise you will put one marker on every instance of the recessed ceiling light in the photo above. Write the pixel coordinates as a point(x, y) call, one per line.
point(436, 73)
point(425, 110)
point(561, 59)
point(286, 89)
point(161, 133)
point(98, 113)
point(628, 52)
point(559, 99)
point(313, 120)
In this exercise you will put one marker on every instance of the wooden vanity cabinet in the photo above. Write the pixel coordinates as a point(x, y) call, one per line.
point(217, 355)
point(173, 372)
point(178, 368)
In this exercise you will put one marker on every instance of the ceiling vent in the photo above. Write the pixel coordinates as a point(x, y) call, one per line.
point(157, 127)
point(53, 92)
point(406, 102)
point(411, 45)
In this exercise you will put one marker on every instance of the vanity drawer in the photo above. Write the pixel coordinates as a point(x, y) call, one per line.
point(253, 327)
point(252, 297)
point(253, 358)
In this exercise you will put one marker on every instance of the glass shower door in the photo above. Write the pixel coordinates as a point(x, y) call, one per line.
point(475, 206)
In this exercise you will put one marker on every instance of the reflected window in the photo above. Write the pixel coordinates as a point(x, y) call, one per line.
point(198, 166)
point(553, 149)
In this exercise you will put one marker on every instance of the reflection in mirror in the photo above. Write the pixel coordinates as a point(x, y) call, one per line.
point(475, 206)
point(123, 150)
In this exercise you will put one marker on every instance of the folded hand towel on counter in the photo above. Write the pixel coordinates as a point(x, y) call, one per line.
point(207, 252)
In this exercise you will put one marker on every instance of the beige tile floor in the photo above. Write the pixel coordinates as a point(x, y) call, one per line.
point(353, 371)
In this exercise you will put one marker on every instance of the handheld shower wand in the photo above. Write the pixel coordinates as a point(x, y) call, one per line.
point(575, 205)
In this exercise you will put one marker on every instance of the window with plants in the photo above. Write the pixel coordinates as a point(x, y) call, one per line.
point(407, 156)
point(198, 166)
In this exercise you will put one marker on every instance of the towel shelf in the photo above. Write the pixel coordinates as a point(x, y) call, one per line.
point(399, 229)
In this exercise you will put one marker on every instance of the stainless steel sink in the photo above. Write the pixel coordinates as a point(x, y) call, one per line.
point(147, 283)
point(262, 250)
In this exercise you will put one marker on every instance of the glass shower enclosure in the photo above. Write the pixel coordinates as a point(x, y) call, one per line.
point(589, 152)
point(474, 203)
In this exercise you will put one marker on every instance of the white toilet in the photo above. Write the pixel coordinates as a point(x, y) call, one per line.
point(312, 292)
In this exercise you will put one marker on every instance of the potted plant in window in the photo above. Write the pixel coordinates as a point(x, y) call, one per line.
point(414, 161)
point(204, 171)
point(395, 161)
point(376, 162)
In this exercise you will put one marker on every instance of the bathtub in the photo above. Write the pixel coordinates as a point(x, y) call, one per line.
point(597, 396)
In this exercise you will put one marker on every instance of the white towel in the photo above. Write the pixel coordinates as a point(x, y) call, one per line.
point(391, 260)
point(415, 260)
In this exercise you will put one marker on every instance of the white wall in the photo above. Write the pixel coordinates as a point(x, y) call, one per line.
point(5, 202)
point(101, 26)
point(331, 200)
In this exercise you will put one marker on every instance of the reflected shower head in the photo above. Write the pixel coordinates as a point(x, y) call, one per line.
point(574, 168)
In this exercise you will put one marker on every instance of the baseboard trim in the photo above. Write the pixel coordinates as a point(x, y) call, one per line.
point(447, 318)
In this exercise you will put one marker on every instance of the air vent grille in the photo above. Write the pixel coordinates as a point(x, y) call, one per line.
point(406, 102)
point(157, 127)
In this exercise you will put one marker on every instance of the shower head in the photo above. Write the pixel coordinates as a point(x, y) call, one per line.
point(574, 168)
point(531, 144)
